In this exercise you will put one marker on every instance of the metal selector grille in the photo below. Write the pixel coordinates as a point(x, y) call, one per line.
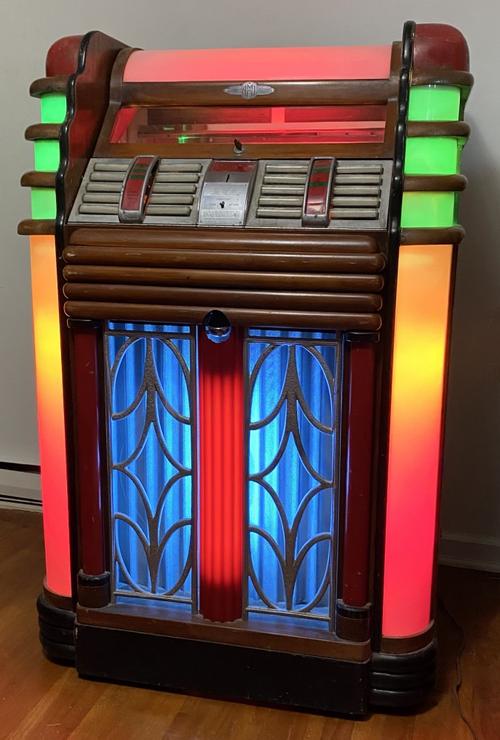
point(360, 194)
point(357, 190)
point(174, 189)
point(173, 198)
point(102, 194)
point(282, 190)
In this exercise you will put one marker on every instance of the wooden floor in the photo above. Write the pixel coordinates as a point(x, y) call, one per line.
point(41, 700)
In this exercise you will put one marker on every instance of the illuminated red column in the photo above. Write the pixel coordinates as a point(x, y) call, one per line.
point(416, 426)
point(50, 407)
point(221, 476)
point(353, 608)
point(93, 578)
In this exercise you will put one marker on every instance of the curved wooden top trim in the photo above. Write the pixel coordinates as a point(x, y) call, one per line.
point(438, 128)
point(38, 180)
point(56, 84)
point(443, 77)
point(435, 183)
point(62, 57)
point(36, 227)
point(439, 45)
point(453, 235)
point(39, 131)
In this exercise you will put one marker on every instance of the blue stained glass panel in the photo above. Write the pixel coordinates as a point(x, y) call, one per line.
point(292, 453)
point(150, 431)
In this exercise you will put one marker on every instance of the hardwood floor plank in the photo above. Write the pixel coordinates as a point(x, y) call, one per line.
point(43, 701)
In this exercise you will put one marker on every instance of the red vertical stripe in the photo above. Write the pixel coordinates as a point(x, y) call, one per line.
point(86, 408)
point(361, 368)
point(221, 476)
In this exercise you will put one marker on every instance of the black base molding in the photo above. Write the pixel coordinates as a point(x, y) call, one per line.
point(57, 631)
point(402, 681)
point(314, 683)
point(225, 671)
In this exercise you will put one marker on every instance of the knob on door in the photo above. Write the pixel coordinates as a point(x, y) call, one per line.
point(217, 327)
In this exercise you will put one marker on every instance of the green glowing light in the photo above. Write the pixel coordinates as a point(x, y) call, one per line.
point(182, 139)
point(432, 155)
point(47, 155)
point(43, 203)
point(434, 103)
point(428, 210)
point(52, 108)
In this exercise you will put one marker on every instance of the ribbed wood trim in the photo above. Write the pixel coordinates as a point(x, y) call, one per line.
point(237, 316)
point(56, 84)
point(458, 129)
point(258, 241)
point(286, 300)
point(453, 235)
point(38, 180)
point(40, 131)
point(443, 77)
point(36, 227)
point(225, 259)
point(435, 183)
point(226, 279)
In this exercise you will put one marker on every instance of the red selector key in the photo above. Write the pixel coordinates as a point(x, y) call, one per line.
point(136, 187)
point(316, 210)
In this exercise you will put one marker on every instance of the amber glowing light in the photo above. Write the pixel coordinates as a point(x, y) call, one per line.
point(51, 430)
point(420, 337)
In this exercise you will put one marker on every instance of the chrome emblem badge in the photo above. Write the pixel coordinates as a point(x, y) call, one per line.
point(249, 90)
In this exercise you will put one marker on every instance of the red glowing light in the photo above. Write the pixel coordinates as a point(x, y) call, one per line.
point(221, 423)
point(422, 306)
point(51, 428)
point(231, 65)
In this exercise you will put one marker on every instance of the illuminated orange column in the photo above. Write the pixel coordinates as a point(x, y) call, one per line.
point(420, 339)
point(51, 429)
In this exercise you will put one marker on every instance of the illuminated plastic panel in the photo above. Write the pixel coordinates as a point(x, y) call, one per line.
point(419, 367)
point(230, 65)
point(52, 437)
point(48, 363)
point(422, 306)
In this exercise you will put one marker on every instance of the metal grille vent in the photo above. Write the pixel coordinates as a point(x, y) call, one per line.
point(174, 189)
point(282, 191)
point(173, 194)
point(102, 194)
point(357, 190)
point(360, 194)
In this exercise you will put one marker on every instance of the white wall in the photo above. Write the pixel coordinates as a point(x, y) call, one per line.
point(471, 506)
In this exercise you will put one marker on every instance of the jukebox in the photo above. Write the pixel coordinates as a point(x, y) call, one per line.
point(242, 269)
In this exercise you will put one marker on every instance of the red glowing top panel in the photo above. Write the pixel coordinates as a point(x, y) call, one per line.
point(232, 65)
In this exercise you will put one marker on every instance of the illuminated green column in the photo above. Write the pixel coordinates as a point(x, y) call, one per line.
point(432, 155)
point(47, 156)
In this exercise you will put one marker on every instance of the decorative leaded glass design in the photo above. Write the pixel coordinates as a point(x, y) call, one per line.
point(151, 412)
point(293, 412)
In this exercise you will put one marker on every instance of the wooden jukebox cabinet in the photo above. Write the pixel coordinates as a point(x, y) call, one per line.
point(242, 265)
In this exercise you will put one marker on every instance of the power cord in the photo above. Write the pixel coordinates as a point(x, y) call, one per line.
point(458, 667)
